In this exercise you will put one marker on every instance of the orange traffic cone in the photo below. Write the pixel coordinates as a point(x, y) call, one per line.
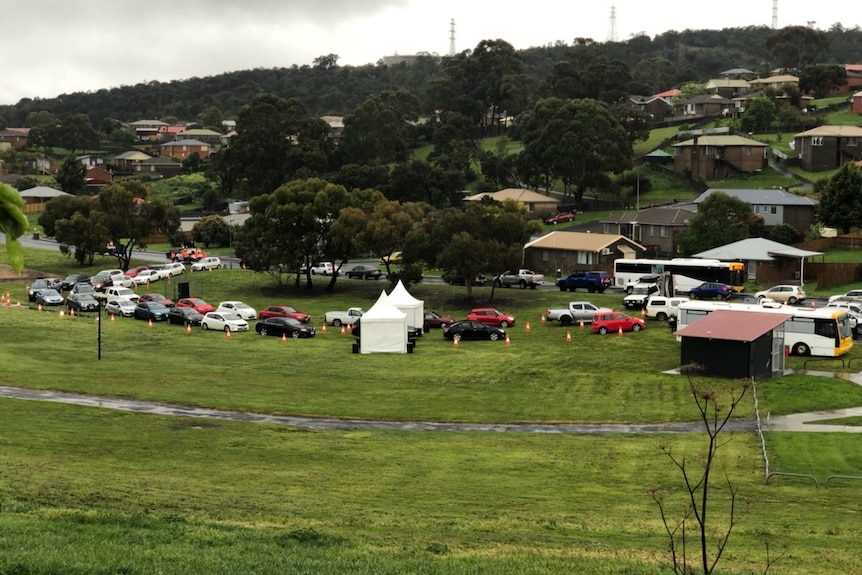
point(350, 327)
point(543, 319)
point(18, 304)
point(568, 336)
point(620, 332)
point(227, 333)
point(343, 331)
point(150, 323)
point(323, 329)
point(527, 327)
point(188, 328)
point(283, 338)
point(812, 304)
point(582, 324)
point(71, 313)
point(455, 341)
point(508, 343)
point(112, 317)
point(39, 307)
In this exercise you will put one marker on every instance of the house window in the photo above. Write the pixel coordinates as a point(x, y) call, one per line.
point(585, 258)
point(543, 254)
point(677, 151)
point(663, 231)
point(707, 150)
point(773, 209)
point(816, 141)
point(851, 142)
point(747, 150)
point(650, 230)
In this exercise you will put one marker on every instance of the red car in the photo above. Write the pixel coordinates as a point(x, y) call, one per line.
point(196, 304)
point(560, 218)
point(156, 297)
point(491, 316)
point(134, 271)
point(434, 319)
point(613, 320)
point(284, 311)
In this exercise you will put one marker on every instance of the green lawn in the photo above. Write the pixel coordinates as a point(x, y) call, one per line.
point(86, 490)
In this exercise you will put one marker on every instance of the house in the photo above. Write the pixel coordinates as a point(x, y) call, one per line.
point(727, 87)
point(856, 103)
point(774, 206)
point(149, 130)
point(656, 107)
point(40, 195)
point(202, 134)
point(336, 127)
point(656, 229)
point(718, 156)
point(159, 167)
point(703, 106)
point(775, 82)
point(766, 262)
point(14, 138)
point(182, 149)
point(92, 161)
point(97, 177)
point(127, 161)
point(534, 201)
point(828, 147)
point(563, 251)
point(726, 344)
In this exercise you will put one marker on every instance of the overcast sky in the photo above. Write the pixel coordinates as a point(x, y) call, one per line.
point(52, 47)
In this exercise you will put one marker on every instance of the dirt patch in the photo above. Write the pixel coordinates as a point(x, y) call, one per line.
point(7, 274)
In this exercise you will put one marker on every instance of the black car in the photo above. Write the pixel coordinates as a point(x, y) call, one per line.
point(286, 326)
point(184, 316)
point(42, 283)
point(151, 310)
point(364, 272)
point(80, 301)
point(473, 330)
point(70, 280)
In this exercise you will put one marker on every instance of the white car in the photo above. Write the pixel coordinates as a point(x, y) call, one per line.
point(241, 309)
point(209, 263)
point(122, 281)
point(121, 306)
point(223, 321)
point(321, 268)
point(173, 269)
point(788, 294)
point(852, 295)
point(148, 276)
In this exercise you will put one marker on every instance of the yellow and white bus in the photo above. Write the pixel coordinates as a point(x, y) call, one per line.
point(821, 331)
point(687, 272)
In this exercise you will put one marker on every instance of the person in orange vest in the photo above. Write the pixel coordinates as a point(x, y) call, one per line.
point(185, 254)
point(198, 254)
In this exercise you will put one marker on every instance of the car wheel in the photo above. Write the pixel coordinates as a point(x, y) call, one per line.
point(522, 284)
point(591, 289)
point(791, 300)
point(204, 326)
point(636, 327)
point(661, 316)
point(504, 324)
point(493, 336)
point(562, 288)
point(263, 331)
point(336, 323)
point(565, 320)
point(295, 335)
point(603, 330)
point(801, 349)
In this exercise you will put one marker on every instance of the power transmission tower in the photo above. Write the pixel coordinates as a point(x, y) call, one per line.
point(452, 37)
point(612, 25)
point(774, 14)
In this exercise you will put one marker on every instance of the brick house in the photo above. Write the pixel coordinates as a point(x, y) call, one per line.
point(703, 105)
point(828, 147)
point(656, 229)
point(182, 149)
point(566, 251)
point(718, 156)
point(534, 201)
point(13, 138)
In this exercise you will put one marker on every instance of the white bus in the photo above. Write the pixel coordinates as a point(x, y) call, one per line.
point(687, 272)
point(821, 331)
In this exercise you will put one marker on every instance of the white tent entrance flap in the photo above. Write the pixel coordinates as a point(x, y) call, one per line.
point(383, 328)
point(414, 308)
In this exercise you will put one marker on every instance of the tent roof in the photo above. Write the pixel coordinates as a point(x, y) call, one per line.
point(758, 249)
point(400, 296)
point(383, 309)
point(725, 324)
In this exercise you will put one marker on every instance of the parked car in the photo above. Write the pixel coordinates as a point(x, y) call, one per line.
point(284, 326)
point(42, 283)
point(433, 319)
point(196, 303)
point(789, 294)
point(133, 272)
point(592, 281)
point(49, 296)
point(576, 312)
point(156, 297)
point(151, 310)
point(339, 318)
point(148, 276)
point(223, 321)
point(491, 316)
point(241, 309)
point(711, 290)
point(614, 321)
point(120, 306)
point(117, 293)
point(364, 272)
point(104, 278)
point(79, 302)
point(71, 279)
point(173, 269)
point(852, 295)
point(661, 307)
point(122, 280)
point(854, 310)
point(208, 263)
point(393, 258)
point(478, 280)
point(284, 311)
point(184, 316)
point(560, 218)
point(468, 329)
point(523, 278)
point(320, 269)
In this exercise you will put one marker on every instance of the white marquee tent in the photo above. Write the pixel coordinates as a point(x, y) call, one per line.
point(383, 328)
point(414, 308)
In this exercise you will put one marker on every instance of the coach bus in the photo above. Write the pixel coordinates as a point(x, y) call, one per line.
point(687, 272)
point(824, 331)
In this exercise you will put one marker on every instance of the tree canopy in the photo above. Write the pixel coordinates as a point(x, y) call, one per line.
point(840, 203)
point(720, 219)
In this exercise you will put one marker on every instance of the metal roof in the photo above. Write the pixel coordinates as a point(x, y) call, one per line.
point(757, 249)
point(765, 196)
point(734, 325)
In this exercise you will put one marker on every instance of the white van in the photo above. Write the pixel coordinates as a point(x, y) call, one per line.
point(661, 307)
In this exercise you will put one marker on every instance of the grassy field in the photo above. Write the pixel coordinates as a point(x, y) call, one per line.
point(85, 490)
